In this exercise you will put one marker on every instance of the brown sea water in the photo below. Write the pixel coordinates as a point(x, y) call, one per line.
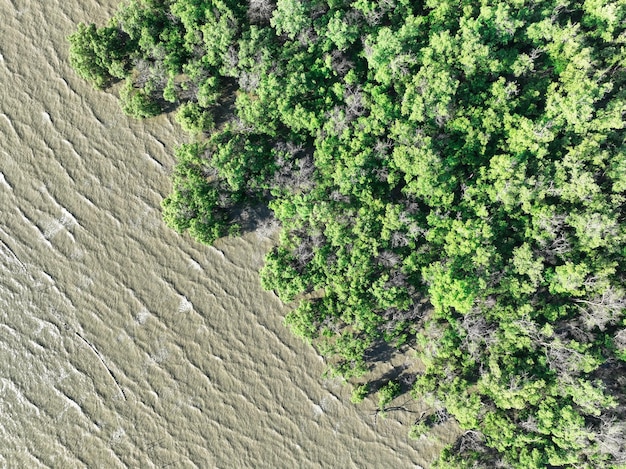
point(123, 344)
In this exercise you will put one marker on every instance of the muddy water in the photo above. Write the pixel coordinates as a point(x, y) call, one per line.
point(123, 344)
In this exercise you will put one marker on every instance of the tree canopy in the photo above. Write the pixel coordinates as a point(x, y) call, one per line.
point(449, 175)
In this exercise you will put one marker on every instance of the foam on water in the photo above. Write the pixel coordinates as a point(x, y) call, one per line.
point(4, 182)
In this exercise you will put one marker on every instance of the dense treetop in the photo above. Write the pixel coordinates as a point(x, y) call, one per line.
point(449, 175)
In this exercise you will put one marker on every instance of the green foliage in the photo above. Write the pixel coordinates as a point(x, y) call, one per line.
point(99, 55)
point(139, 102)
point(388, 393)
point(304, 321)
point(208, 92)
point(290, 18)
point(243, 159)
point(193, 118)
point(446, 175)
point(194, 204)
point(359, 393)
point(418, 429)
point(348, 351)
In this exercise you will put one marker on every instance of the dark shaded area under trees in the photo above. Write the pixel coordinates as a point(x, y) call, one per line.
point(449, 175)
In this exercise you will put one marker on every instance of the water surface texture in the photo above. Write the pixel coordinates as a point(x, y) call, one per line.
point(123, 344)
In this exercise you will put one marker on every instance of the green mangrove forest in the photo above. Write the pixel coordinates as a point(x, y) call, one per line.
point(447, 176)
